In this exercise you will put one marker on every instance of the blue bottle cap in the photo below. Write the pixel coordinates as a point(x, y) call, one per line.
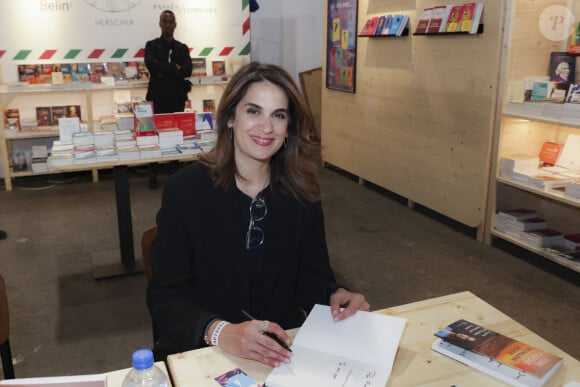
point(142, 359)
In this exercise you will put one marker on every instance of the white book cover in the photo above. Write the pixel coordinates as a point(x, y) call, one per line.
point(67, 127)
point(358, 351)
point(570, 155)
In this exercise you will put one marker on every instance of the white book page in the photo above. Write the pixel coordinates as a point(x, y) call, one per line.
point(355, 351)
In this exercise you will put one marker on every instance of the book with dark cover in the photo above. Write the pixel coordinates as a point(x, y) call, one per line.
point(43, 116)
point(26, 71)
point(499, 349)
point(72, 111)
point(573, 95)
point(57, 112)
point(387, 25)
point(218, 67)
point(12, 119)
point(380, 24)
point(562, 67)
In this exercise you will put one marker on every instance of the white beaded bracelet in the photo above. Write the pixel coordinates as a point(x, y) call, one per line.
point(216, 333)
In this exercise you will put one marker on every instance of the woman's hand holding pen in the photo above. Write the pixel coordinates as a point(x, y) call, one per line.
point(248, 340)
point(351, 302)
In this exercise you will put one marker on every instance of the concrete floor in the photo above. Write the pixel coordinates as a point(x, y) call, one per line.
point(65, 322)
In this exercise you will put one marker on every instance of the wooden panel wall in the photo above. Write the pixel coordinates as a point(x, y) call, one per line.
point(420, 123)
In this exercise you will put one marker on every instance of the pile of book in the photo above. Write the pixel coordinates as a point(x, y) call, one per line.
point(169, 139)
point(450, 18)
point(392, 25)
point(556, 167)
point(528, 227)
point(39, 158)
point(511, 361)
point(61, 153)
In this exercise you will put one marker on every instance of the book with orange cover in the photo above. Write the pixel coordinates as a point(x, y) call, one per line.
point(550, 152)
point(521, 359)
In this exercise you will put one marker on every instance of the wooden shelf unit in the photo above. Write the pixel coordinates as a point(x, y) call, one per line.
point(523, 128)
point(95, 101)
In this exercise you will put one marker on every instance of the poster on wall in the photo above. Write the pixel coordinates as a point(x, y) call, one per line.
point(341, 45)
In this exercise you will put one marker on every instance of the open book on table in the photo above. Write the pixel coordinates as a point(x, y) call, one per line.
point(358, 351)
point(504, 358)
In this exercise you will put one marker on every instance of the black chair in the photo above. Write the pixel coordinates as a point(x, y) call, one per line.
point(5, 352)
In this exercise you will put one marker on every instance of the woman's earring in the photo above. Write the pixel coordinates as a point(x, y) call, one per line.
point(230, 132)
point(285, 142)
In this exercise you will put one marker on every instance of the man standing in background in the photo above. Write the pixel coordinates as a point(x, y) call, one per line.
point(169, 63)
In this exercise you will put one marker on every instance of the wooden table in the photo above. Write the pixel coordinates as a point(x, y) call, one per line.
point(416, 364)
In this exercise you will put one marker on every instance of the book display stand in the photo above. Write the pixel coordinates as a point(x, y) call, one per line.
point(479, 31)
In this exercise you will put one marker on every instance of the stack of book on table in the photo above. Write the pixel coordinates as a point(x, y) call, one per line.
point(106, 153)
point(124, 121)
point(84, 148)
point(169, 139)
point(109, 124)
point(504, 358)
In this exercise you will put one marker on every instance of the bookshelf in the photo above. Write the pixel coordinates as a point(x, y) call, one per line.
point(524, 127)
point(95, 100)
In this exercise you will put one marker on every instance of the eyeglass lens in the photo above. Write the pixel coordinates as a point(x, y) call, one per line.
point(255, 235)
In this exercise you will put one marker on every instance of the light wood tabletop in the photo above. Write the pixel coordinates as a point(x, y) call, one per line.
point(415, 365)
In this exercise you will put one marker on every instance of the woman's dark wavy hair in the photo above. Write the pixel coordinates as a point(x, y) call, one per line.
point(293, 168)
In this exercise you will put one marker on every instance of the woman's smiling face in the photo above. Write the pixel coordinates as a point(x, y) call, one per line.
point(260, 124)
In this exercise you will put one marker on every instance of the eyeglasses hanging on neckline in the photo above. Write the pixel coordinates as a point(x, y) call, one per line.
point(255, 235)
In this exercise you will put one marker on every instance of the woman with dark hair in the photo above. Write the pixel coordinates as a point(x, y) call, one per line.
point(241, 232)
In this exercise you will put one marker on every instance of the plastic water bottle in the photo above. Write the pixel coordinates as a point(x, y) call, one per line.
point(144, 372)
